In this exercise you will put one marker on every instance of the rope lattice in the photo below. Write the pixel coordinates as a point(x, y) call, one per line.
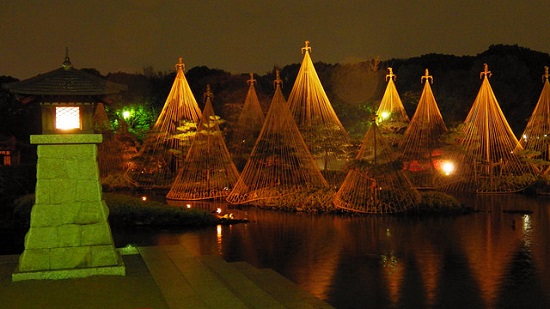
point(280, 163)
point(375, 183)
point(488, 160)
point(208, 171)
point(421, 144)
point(392, 116)
point(323, 133)
point(167, 143)
point(536, 136)
point(248, 126)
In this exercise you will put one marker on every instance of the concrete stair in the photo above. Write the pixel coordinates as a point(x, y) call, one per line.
point(188, 281)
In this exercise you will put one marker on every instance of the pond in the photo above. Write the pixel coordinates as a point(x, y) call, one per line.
point(498, 257)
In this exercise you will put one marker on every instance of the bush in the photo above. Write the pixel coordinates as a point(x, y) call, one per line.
point(16, 180)
point(440, 203)
point(115, 182)
point(540, 186)
point(22, 211)
point(508, 183)
point(127, 211)
point(298, 199)
point(130, 211)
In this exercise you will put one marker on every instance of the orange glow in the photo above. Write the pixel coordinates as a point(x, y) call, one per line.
point(415, 166)
point(219, 238)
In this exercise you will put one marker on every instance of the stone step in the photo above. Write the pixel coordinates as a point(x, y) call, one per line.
point(175, 288)
point(189, 281)
point(281, 288)
point(203, 281)
point(250, 293)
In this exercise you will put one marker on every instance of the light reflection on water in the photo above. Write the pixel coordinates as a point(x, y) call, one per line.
point(496, 258)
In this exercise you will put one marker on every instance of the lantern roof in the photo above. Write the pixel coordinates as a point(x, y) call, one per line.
point(65, 81)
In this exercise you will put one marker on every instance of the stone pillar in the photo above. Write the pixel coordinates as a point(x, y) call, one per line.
point(69, 235)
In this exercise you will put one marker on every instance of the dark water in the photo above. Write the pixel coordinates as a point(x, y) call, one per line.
point(497, 258)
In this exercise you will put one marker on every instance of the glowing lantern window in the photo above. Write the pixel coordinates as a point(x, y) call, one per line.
point(67, 117)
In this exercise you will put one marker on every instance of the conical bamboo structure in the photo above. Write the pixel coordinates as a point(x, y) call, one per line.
point(110, 152)
point(248, 126)
point(208, 171)
point(167, 143)
point(280, 164)
point(422, 156)
point(324, 134)
point(375, 183)
point(536, 136)
point(392, 116)
point(488, 160)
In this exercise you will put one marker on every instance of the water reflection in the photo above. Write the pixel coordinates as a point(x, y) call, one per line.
point(310, 247)
point(496, 258)
point(489, 244)
point(428, 265)
point(521, 285)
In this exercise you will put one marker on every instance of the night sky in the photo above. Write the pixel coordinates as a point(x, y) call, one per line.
point(242, 36)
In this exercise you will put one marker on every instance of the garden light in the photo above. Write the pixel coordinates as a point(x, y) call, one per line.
point(448, 167)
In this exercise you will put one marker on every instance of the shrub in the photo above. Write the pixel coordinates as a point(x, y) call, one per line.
point(435, 202)
point(22, 211)
point(540, 186)
point(299, 199)
point(115, 182)
point(127, 210)
point(130, 211)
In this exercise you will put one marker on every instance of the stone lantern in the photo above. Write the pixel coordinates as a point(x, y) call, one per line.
point(69, 235)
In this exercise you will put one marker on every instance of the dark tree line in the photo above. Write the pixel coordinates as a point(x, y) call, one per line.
point(516, 81)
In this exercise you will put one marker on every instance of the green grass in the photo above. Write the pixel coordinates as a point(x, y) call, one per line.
point(126, 210)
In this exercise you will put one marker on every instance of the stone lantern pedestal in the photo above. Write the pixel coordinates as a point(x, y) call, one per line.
point(69, 235)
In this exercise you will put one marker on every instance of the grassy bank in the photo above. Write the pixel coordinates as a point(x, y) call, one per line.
point(126, 210)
